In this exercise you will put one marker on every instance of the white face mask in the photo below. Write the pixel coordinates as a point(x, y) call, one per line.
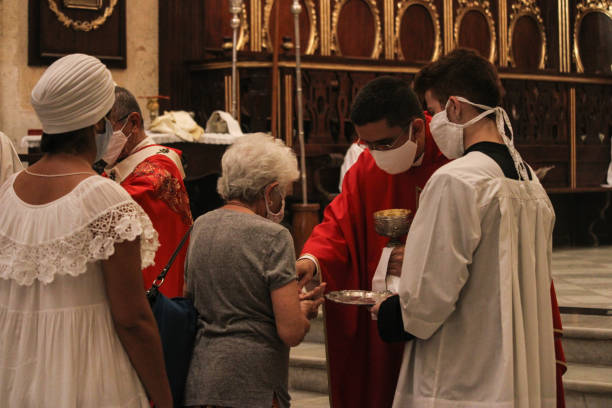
point(398, 160)
point(449, 136)
point(115, 145)
point(278, 216)
point(102, 140)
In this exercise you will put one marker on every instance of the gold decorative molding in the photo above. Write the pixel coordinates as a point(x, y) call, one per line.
point(482, 7)
point(502, 21)
point(449, 43)
point(399, 69)
point(243, 37)
point(527, 8)
point(325, 11)
point(583, 8)
point(335, 46)
point(388, 21)
point(227, 81)
point(572, 137)
point(83, 4)
point(256, 25)
point(430, 6)
point(79, 25)
point(313, 38)
point(564, 36)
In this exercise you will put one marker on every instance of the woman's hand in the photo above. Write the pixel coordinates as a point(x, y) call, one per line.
point(311, 300)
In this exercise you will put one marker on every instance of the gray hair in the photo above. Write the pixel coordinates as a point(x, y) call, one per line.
point(252, 163)
point(125, 103)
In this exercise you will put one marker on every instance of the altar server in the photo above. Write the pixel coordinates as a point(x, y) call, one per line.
point(475, 287)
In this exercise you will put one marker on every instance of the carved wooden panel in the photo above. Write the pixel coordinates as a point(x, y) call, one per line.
point(475, 27)
point(527, 36)
point(539, 112)
point(217, 25)
point(181, 38)
point(592, 33)
point(593, 132)
point(55, 30)
point(309, 37)
point(357, 29)
point(417, 31)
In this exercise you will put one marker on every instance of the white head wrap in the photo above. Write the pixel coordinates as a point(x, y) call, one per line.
point(75, 92)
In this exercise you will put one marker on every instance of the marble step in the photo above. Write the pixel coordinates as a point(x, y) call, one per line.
point(316, 334)
point(588, 386)
point(308, 368)
point(306, 399)
point(587, 339)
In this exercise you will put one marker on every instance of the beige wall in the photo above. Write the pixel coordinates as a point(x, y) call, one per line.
point(17, 79)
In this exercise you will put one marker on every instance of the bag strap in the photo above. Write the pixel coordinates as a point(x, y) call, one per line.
point(162, 276)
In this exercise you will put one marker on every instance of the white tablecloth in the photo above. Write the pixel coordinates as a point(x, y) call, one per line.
point(161, 138)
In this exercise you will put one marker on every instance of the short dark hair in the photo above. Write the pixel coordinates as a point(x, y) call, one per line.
point(462, 72)
point(125, 103)
point(389, 98)
point(73, 142)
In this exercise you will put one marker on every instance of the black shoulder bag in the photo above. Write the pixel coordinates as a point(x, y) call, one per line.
point(176, 320)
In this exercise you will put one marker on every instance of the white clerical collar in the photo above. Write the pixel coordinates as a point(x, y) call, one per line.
point(147, 141)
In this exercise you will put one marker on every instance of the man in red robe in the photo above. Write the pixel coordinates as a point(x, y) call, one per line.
point(153, 175)
point(347, 250)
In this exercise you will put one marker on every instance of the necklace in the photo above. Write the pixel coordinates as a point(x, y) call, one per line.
point(57, 175)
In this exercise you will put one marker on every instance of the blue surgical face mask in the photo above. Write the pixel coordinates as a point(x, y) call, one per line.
point(102, 140)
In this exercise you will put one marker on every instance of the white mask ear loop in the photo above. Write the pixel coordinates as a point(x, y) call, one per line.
point(501, 118)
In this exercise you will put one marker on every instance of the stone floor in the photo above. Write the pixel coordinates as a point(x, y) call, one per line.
point(583, 277)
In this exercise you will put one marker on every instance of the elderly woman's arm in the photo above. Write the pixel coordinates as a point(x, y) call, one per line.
point(291, 323)
point(134, 320)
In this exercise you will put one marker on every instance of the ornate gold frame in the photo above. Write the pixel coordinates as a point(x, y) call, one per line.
point(482, 7)
point(313, 38)
point(83, 5)
point(429, 5)
point(335, 46)
point(527, 8)
point(584, 8)
point(243, 37)
point(79, 25)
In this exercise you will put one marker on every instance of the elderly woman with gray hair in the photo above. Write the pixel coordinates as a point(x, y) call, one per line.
point(240, 273)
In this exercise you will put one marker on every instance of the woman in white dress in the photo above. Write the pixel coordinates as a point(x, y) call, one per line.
point(76, 328)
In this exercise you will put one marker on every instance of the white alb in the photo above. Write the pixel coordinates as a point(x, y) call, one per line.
point(475, 291)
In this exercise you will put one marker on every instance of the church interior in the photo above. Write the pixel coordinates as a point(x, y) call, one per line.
point(292, 68)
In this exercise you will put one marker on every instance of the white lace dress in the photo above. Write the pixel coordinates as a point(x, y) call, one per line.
point(58, 345)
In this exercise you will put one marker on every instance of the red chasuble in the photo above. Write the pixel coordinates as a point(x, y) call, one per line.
point(156, 184)
point(363, 369)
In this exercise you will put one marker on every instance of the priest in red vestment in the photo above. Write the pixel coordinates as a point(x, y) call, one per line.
point(153, 175)
point(363, 370)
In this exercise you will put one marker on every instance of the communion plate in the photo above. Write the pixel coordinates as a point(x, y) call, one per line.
point(357, 297)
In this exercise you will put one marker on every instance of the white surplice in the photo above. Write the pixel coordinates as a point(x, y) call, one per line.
point(475, 291)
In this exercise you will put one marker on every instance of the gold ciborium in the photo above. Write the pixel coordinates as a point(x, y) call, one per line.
point(393, 223)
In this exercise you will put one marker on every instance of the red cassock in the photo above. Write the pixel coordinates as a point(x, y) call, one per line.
point(156, 184)
point(363, 369)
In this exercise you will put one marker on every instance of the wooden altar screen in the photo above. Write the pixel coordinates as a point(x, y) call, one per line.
point(554, 58)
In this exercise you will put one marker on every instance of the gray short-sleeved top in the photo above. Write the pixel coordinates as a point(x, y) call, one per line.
point(234, 260)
